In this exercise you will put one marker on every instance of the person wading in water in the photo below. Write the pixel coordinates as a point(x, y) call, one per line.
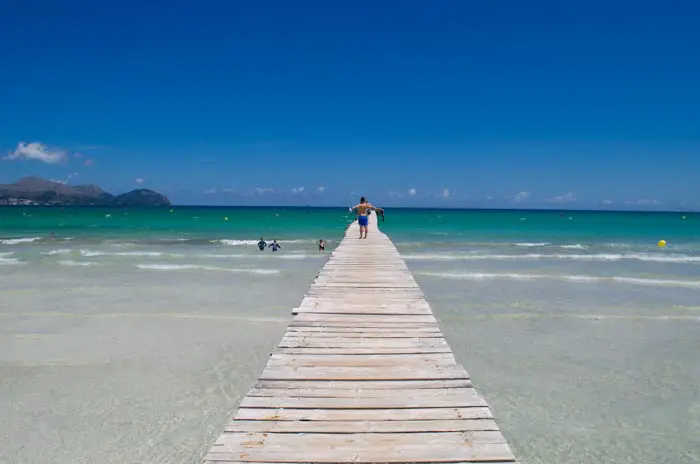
point(363, 209)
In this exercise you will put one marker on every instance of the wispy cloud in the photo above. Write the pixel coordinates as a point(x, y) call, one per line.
point(262, 190)
point(566, 198)
point(644, 202)
point(489, 197)
point(445, 193)
point(321, 189)
point(38, 152)
point(607, 202)
point(210, 191)
point(521, 197)
point(296, 190)
point(412, 192)
point(140, 180)
point(88, 162)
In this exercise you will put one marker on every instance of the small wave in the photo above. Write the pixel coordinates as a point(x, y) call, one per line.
point(9, 261)
point(679, 259)
point(577, 246)
point(570, 278)
point(8, 253)
point(62, 251)
point(299, 256)
point(18, 241)
point(197, 267)
point(255, 242)
point(538, 244)
point(151, 254)
point(75, 263)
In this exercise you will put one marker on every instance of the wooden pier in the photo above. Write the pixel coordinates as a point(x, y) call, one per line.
point(363, 375)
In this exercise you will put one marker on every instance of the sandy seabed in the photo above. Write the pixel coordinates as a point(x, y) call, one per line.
point(138, 367)
point(113, 366)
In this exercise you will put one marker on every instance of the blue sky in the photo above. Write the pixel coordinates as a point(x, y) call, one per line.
point(450, 103)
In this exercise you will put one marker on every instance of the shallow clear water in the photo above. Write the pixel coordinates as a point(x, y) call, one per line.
point(581, 333)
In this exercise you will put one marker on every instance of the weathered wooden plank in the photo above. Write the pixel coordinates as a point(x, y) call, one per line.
point(364, 448)
point(322, 317)
point(361, 392)
point(397, 325)
point(363, 384)
point(389, 414)
point(362, 343)
point(460, 400)
point(361, 351)
point(364, 373)
point(367, 330)
point(344, 427)
point(382, 335)
point(360, 360)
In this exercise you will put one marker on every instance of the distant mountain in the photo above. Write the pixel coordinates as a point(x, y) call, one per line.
point(37, 191)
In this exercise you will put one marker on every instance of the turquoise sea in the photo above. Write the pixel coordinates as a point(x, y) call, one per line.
point(581, 332)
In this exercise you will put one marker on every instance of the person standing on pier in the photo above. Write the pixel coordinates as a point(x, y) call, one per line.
point(362, 210)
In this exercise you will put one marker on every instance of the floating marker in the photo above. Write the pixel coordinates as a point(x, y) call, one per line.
point(226, 218)
point(662, 243)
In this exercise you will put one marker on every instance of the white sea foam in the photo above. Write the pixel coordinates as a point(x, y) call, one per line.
point(62, 251)
point(526, 244)
point(9, 261)
point(18, 241)
point(152, 254)
point(576, 246)
point(570, 278)
point(648, 257)
point(71, 263)
point(197, 267)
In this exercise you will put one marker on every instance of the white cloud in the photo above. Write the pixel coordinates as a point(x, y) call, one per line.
point(296, 190)
point(644, 202)
point(607, 202)
point(566, 198)
point(412, 192)
point(139, 180)
point(489, 197)
point(321, 189)
point(72, 175)
point(522, 196)
point(445, 193)
point(36, 151)
point(262, 190)
point(58, 181)
point(210, 191)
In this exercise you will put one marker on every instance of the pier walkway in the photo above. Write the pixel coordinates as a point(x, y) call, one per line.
point(363, 375)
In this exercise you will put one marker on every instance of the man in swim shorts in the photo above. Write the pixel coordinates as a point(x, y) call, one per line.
point(363, 209)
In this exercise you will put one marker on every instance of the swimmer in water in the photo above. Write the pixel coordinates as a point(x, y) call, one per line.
point(262, 244)
point(274, 246)
point(321, 245)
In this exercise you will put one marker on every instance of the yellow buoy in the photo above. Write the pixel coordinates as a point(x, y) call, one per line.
point(662, 243)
